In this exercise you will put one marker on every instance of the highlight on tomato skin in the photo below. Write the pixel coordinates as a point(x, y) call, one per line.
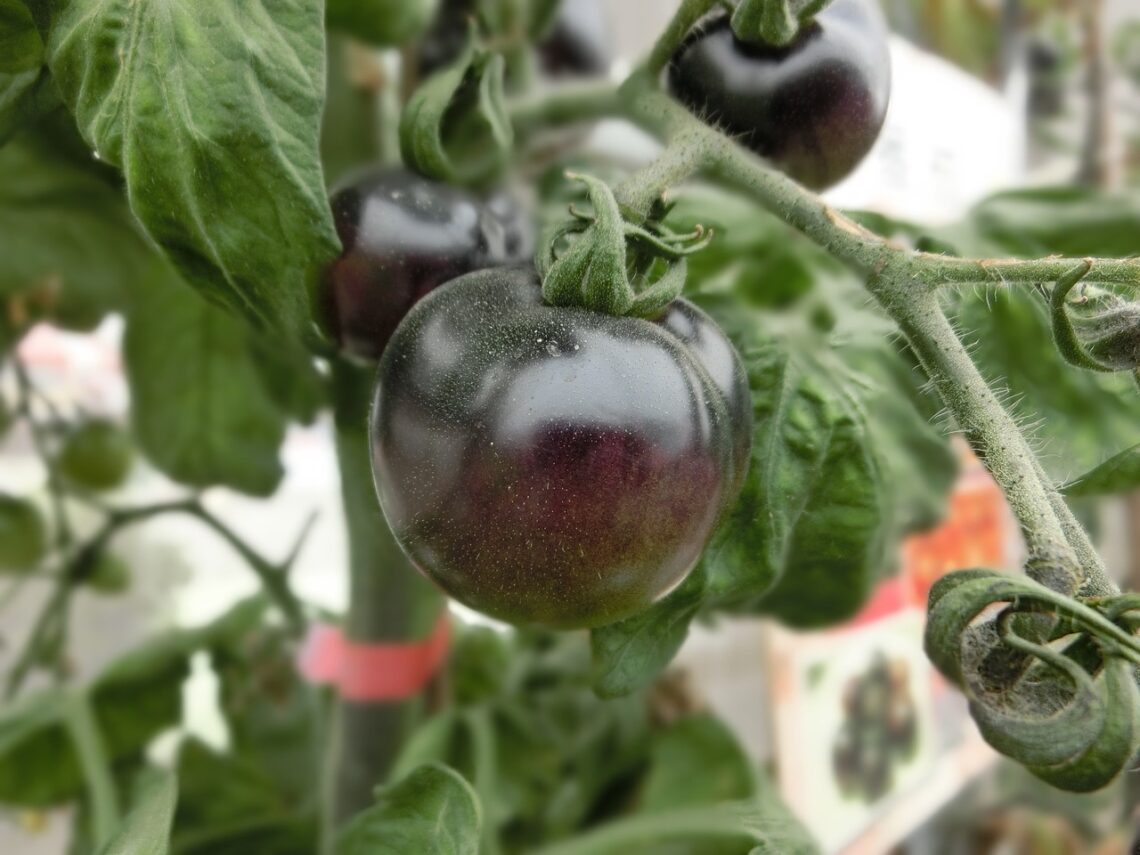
point(553, 466)
point(813, 108)
point(402, 236)
point(576, 44)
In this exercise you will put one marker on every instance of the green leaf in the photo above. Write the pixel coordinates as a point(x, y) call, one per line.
point(920, 464)
point(696, 742)
point(229, 806)
point(290, 376)
point(805, 540)
point(430, 810)
point(36, 771)
point(25, 87)
point(67, 241)
point(212, 111)
point(455, 127)
point(133, 699)
point(1119, 474)
point(764, 824)
point(271, 713)
point(146, 829)
point(1071, 220)
point(382, 22)
point(201, 412)
point(631, 653)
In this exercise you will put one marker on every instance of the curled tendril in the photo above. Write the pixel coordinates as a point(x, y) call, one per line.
point(1106, 337)
point(1064, 701)
point(605, 263)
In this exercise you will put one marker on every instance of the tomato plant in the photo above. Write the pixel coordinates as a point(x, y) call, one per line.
point(566, 390)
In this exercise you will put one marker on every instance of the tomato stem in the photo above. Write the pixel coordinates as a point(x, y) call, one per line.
point(905, 283)
point(683, 21)
point(96, 765)
point(388, 601)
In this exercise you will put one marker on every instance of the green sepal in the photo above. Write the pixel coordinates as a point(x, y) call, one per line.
point(592, 273)
point(772, 22)
point(1115, 742)
point(612, 265)
point(455, 127)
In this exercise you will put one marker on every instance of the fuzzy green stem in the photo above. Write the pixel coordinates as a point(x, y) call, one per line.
point(842, 237)
point(991, 431)
point(682, 156)
point(96, 766)
point(904, 282)
point(564, 105)
point(686, 16)
point(388, 601)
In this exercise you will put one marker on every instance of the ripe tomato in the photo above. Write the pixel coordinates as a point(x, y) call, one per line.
point(813, 108)
point(551, 465)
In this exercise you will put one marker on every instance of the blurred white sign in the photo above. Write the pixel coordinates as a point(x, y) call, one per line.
point(948, 140)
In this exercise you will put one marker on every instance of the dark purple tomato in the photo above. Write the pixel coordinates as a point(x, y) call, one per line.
point(555, 466)
point(404, 235)
point(814, 108)
point(576, 45)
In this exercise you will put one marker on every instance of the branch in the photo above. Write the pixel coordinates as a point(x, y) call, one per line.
point(842, 237)
point(56, 488)
point(273, 576)
point(1056, 541)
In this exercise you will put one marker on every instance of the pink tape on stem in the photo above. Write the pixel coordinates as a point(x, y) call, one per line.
point(386, 671)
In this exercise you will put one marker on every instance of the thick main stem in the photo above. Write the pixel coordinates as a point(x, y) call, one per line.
point(388, 601)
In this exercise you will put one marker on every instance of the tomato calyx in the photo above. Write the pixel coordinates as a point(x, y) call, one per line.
point(774, 22)
point(606, 262)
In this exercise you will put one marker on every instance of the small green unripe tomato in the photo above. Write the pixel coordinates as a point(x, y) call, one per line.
point(23, 535)
point(97, 455)
point(109, 575)
point(382, 22)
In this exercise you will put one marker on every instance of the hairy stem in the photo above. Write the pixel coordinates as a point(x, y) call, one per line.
point(686, 16)
point(842, 237)
point(905, 282)
point(388, 601)
point(564, 105)
point(991, 431)
point(683, 156)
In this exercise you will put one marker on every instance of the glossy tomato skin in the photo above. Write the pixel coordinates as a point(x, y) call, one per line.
point(403, 235)
point(553, 466)
point(576, 45)
point(814, 108)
